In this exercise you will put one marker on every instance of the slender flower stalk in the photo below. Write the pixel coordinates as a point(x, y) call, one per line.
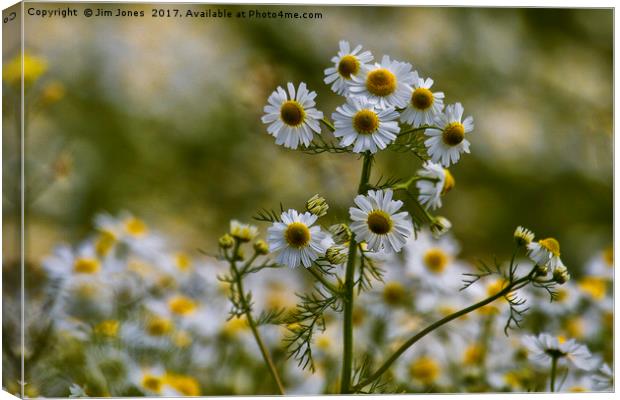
point(554, 365)
point(347, 353)
point(514, 285)
point(238, 276)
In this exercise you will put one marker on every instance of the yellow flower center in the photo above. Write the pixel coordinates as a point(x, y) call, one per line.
point(561, 295)
point(422, 98)
point(234, 326)
point(135, 227)
point(394, 293)
point(297, 235)
point(575, 327)
point(358, 316)
point(183, 261)
point(608, 256)
point(159, 326)
point(425, 369)
point(561, 339)
point(435, 260)
point(551, 245)
point(292, 113)
point(453, 134)
point(473, 354)
point(495, 287)
point(182, 339)
point(107, 328)
point(186, 385)
point(594, 286)
point(84, 265)
point(152, 383)
point(448, 182)
point(381, 82)
point(365, 122)
point(104, 243)
point(577, 389)
point(182, 305)
point(379, 222)
point(348, 65)
point(323, 342)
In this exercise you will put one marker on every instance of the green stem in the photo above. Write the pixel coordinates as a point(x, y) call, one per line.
point(251, 322)
point(328, 124)
point(421, 128)
point(319, 277)
point(554, 364)
point(405, 185)
point(411, 341)
point(347, 353)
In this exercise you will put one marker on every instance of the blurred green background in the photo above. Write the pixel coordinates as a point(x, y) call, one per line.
point(161, 117)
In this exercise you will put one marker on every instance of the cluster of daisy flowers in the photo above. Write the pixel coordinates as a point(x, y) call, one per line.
point(382, 100)
point(143, 318)
point(149, 320)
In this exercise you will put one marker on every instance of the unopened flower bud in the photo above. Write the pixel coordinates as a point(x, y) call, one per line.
point(541, 270)
point(340, 233)
point(261, 247)
point(440, 226)
point(317, 205)
point(226, 241)
point(336, 255)
point(561, 275)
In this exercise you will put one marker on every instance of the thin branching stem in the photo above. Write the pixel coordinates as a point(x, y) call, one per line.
point(411, 341)
point(248, 314)
point(319, 277)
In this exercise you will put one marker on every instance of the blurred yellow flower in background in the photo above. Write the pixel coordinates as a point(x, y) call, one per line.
point(33, 66)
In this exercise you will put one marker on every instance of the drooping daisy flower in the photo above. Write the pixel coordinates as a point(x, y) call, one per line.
point(375, 221)
point(445, 145)
point(424, 106)
point(523, 236)
point(295, 239)
point(439, 182)
point(292, 119)
point(387, 83)
point(546, 347)
point(346, 64)
point(362, 122)
point(545, 252)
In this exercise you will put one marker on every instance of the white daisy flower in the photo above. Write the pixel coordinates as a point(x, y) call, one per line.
point(130, 231)
point(446, 144)
point(375, 221)
point(546, 347)
point(434, 262)
point(545, 252)
point(295, 239)
point(387, 83)
point(424, 106)
point(292, 119)
point(602, 264)
point(346, 64)
point(439, 181)
point(604, 378)
point(362, 122)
